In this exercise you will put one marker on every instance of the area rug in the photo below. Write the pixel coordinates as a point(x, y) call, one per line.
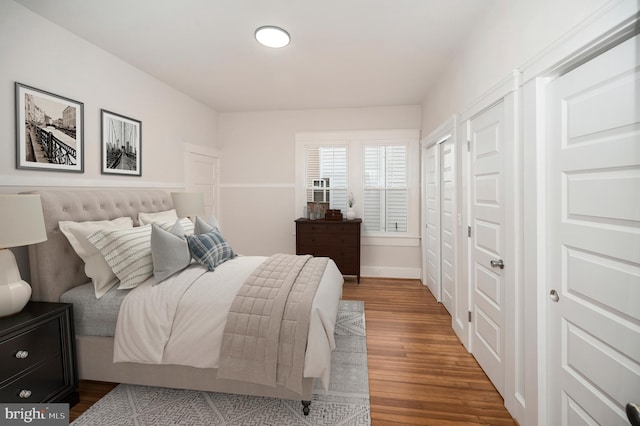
point(346, 403)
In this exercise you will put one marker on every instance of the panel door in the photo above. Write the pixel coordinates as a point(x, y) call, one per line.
point(593, 240)
point(432, 240)
point(202, 177)
point(447, 224)
point(487, 216)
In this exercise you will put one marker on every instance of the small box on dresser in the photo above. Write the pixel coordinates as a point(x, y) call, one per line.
point(37, 355)
point(337, 239)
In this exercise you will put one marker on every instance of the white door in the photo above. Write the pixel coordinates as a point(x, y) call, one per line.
point(487, 218)
point(447, 224)
point(593, 240)
point(432, 242)
point(202, 176)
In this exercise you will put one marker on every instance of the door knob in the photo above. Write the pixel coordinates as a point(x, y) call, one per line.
point(554, 295)
point(633, 413)
point(497, 264)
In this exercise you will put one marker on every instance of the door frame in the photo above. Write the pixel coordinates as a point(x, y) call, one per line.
point(508, 92)
point(616, 23)
point(611, 22)
point(214, 153)
point(447, 130)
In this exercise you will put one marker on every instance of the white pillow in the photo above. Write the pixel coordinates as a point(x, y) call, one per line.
point(186, 224)
point(165, 216)
point(95, 266)
point(127, 252)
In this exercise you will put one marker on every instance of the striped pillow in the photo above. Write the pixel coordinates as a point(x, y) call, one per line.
point(128, 252)
point(210, 249)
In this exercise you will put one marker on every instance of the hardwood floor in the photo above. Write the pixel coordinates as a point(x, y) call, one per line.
point(419, 372)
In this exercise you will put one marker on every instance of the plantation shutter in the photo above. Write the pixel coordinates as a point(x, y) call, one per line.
point(385, 188)
point(327, 175)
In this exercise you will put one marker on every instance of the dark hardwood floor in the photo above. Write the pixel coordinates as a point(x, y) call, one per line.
point(419, 372)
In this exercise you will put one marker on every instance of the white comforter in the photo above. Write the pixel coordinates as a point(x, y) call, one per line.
point(181, 320)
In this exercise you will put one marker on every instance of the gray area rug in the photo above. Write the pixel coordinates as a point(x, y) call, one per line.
point(346, 403)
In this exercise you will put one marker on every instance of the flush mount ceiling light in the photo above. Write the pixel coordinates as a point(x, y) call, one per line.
point(271, 36)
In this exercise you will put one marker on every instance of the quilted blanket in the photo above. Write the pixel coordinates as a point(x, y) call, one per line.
point(266, 332)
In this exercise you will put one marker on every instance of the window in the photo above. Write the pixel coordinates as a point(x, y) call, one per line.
point(326, 175)
point(385, 188)
point(380, 168)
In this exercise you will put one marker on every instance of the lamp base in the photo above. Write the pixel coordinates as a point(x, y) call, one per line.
point(14, 292)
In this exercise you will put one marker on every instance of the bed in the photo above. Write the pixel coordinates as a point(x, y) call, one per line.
point(56, 270)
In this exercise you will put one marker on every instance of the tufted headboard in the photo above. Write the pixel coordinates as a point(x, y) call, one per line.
point(55, 267)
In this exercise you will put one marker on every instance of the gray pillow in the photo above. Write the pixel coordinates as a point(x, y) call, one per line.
point(169, 251)
point(202, 227)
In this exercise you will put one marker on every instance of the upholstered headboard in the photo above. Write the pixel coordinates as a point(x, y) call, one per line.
point(55, 267)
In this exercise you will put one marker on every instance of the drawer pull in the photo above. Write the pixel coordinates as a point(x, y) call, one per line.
point(22, 354)
point(24, 393)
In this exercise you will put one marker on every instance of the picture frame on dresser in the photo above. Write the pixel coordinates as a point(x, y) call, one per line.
point(49, 131)
point(121, 146)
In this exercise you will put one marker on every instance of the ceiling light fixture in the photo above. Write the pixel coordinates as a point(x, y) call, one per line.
point(271, 36)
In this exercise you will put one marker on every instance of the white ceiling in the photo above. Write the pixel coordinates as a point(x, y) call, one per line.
point(343, 53)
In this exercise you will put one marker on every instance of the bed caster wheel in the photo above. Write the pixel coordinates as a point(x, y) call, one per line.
point(305, 407)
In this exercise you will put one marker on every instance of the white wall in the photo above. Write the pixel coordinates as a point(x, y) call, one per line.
point(510, 35)
point(258, 169)
point(38, 53)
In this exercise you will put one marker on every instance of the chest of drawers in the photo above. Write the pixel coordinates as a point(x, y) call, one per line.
point(37, 355)
point(337, 239)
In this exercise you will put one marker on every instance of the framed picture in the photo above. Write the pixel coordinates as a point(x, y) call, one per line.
point(121, 145)
point(49, 131)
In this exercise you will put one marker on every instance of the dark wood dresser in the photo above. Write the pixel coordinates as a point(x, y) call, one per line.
point(337, 239)
point(37, 355)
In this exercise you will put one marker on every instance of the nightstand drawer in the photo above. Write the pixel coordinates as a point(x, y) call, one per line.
point(29, 348)
point(38, 385)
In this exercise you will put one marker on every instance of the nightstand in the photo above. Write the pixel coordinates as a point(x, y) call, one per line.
point(337, 239)
point(37, 355)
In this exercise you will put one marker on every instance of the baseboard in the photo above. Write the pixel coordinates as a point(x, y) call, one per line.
point(390, 272)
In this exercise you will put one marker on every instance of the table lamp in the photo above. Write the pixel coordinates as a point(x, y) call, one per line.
point(188, 204)
point(21, 224)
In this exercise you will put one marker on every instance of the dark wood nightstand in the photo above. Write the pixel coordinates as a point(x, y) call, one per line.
point(337, 239)
point(38, 356)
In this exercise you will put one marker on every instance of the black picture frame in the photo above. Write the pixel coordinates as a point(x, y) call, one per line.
point(121, 146)
point(49, 131)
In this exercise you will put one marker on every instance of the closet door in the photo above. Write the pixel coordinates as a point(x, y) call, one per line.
point(593, 240)
point(447, 224)
point(432, 239)
point(487, 250)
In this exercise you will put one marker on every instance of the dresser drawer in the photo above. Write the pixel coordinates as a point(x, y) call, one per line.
point(29, 348)
point(42, 383)
point(343, 240)
point(312, 228)
point(344, 228)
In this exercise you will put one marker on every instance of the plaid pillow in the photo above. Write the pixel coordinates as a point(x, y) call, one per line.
point(210, 249)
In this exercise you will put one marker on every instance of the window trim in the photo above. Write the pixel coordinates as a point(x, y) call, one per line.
point(355, 142)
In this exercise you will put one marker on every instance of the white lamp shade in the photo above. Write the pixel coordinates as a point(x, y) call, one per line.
point(188, 204)
point(21, 220)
